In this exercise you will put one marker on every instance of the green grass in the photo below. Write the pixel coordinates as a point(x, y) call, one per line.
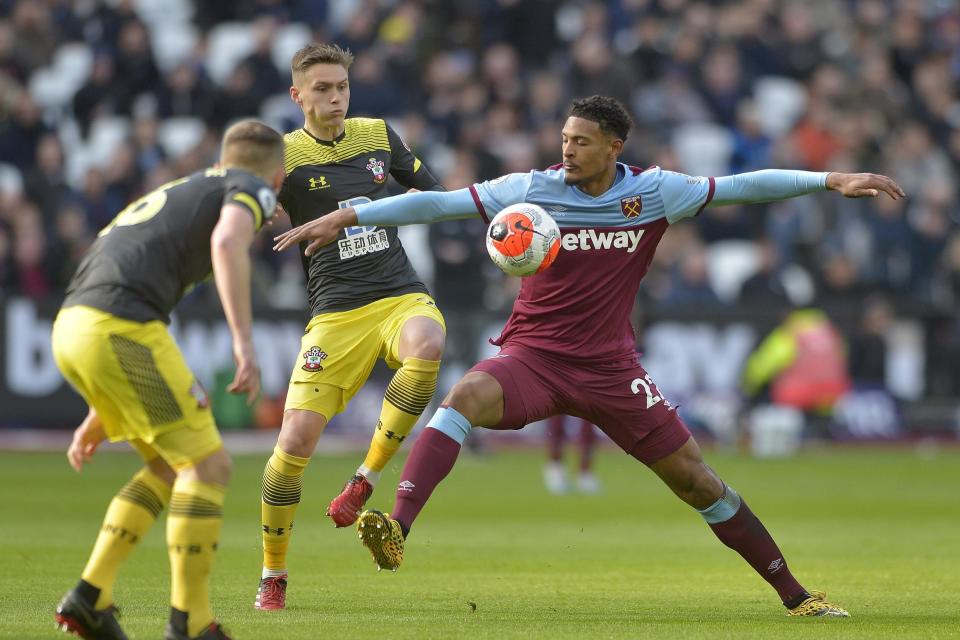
point(879, 529)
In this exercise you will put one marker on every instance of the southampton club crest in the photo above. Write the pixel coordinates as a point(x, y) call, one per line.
point(313, 359)
point(631, 207)
point(376, 167)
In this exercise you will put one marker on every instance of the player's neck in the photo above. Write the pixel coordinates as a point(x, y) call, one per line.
point(599, 185)
point(323, 132)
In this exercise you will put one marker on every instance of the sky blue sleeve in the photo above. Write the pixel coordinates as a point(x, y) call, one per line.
point(684, 196)
point(492, 196)
point(417, 208)
point(768, 185)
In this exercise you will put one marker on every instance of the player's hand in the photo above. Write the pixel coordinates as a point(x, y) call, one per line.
point(319, 232)
point(864, 185)
point(247, 378)
point(86, 438)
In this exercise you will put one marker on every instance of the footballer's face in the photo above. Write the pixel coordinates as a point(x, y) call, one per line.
point(588, 152)
point(323, 92)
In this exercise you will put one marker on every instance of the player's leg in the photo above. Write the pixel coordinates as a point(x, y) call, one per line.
point(83, 352)
point(129, 517)
point(194, 523)
point(732, 521)
point(476, 399)
point(554, 473)
point(281, 489)
point(413, 337)
point(131, 513)
point(587, 482)
point(504, 392)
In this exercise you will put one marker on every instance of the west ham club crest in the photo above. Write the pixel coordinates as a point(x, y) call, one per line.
point(376, 167)
point(631, 207)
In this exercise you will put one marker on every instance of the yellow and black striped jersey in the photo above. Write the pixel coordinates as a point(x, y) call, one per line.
point(366, 263)
point(158, 248)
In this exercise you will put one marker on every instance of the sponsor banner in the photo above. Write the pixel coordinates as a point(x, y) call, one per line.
point(695, 360)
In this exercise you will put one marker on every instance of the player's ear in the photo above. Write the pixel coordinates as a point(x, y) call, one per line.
point(278, 177)
point(295, 95)
point(616, 147)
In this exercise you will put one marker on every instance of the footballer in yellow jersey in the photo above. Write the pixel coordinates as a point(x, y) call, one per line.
point(366, 300)
point(110, 340)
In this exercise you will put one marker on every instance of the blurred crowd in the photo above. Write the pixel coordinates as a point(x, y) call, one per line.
point(101, 100)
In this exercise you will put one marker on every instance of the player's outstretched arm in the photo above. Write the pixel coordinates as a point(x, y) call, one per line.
point(408, 208)
point(772, 185)
point(230, 254)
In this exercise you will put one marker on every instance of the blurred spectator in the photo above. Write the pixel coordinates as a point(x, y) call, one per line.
point(47, 184)
point(801, 364)
point(766, 286)
point(689, 285)
point(868, 346)
point(266, 76)
point(21, 131)
point(34, 36)
point(98, 96)
point(136, 70)
point(187, 92)
point(237, 99)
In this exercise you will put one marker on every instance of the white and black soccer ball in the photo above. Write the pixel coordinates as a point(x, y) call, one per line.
point(523, 239)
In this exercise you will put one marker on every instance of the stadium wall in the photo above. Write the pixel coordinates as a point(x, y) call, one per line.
point(696, 361)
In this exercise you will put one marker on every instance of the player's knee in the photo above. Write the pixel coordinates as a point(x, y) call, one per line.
point(472, 396)
point(701, 487)
point(300, 432)
point(427, 342)
point(160, 468)
point(215, 468)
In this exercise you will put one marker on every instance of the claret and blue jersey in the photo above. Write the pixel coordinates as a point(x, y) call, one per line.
point(580, 306)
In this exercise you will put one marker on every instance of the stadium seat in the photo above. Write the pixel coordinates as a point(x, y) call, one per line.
point(11, 180)
point(53, 87)
point(280, 112)
point(703, 148)
point(173, 43)
point(74, 62)
point(106, 134)
point(288, 39)
point(798, 284)
point(180, 135)
point(157, 13)
point(730, 264)
point(227, 44)
point(780, 102)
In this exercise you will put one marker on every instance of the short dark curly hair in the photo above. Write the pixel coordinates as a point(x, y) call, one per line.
point(608, 112)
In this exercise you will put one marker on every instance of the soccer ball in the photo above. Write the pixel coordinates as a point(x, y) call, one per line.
point(523, 240)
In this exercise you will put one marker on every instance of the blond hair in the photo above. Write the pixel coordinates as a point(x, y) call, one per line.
point(320, 53)
point(252, 146)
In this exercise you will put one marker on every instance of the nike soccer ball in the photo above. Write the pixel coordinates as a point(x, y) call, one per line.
point(523, 240)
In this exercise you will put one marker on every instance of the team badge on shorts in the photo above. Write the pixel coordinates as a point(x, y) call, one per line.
point(631, 207)
point(376, 166)
point(313, 358)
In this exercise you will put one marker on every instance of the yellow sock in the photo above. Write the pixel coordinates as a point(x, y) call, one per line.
point(193, 532)
point(408, 394)
point(282, 483)
point(130, 515)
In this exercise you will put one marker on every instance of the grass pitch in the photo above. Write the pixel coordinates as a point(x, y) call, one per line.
point(494, 556)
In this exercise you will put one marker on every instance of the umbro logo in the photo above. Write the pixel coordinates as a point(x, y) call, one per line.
point(776, 565)
point(406, 485)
